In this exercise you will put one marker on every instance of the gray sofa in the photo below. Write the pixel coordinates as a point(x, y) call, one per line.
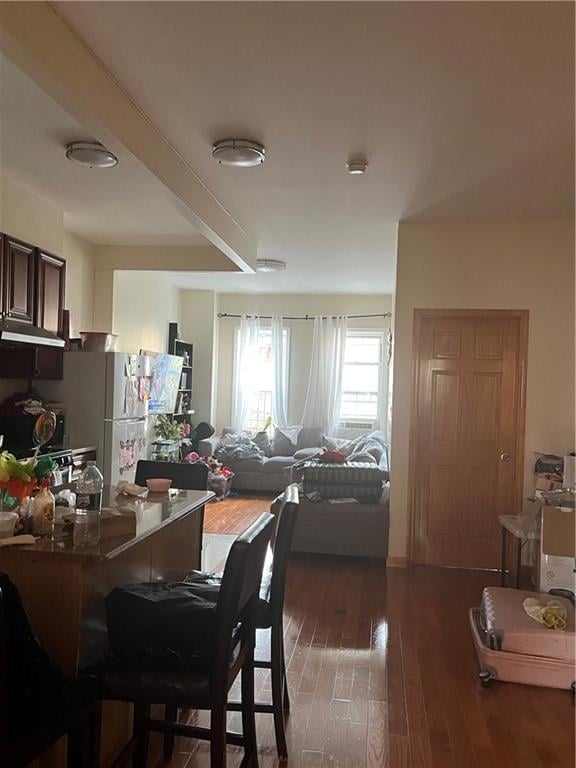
point(272, 472)
point(268, 473)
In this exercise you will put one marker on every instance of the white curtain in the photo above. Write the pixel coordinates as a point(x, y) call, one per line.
point(279, 394)
point(322, 407)
point(246, 361)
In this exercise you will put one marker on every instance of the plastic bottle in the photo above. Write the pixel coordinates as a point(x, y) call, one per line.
point(88, 506)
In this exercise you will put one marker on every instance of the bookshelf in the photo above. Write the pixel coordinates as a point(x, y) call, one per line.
point(184, 349)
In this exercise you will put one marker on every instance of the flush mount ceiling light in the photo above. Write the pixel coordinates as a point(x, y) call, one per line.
point(357, 166)
point(91, 153)
point(270, 265)
point(239, 152)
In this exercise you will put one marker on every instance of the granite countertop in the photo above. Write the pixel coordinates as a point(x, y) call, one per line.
point(125, 521)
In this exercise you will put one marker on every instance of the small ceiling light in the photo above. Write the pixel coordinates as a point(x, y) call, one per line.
point(91, 153)
point(270, 265)
point(357, 166)
point(239, 152)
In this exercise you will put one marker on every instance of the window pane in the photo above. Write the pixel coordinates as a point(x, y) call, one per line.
point(360, 377)
point(261, 406)
point(363, 349)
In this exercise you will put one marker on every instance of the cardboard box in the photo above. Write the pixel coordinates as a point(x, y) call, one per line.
point(545, 482)
point(558, 531)
point(557, 567)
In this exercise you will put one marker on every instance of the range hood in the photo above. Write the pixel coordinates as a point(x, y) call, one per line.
point(13, 332)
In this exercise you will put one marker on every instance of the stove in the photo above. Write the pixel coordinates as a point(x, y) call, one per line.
point(60, 455)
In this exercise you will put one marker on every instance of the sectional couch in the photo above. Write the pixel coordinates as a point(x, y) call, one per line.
point(272, 471)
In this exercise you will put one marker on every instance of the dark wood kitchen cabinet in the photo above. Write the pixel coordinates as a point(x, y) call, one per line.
point(50, 283)
point(32, 290)
point(19, 280)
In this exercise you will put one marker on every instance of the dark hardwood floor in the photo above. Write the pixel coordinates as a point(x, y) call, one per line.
point(383, 674)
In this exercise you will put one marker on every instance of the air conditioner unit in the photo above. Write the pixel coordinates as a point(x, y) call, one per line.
point(366, 425)
point(352, 429)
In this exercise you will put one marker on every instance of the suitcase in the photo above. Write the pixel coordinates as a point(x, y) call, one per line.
point(513, 647)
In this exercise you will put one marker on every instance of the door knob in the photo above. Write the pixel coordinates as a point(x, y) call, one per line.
point(505, 457)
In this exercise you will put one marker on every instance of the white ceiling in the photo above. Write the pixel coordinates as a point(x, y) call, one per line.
point(464, 110)
point(122, 205)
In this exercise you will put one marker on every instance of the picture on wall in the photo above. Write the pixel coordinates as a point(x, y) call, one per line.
point(165, 383)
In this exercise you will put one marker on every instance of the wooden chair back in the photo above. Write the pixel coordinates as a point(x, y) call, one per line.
point(286, 521)
point(184, 476)
point(239, 593)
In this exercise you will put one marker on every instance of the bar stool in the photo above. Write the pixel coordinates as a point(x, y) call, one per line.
point(31, 721)
point(205, 684)
point(270, 615)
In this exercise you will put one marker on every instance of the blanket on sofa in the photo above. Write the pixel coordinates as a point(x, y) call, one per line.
point(237, 445)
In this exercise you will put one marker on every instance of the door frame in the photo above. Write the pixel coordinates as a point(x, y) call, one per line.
point(419, 315)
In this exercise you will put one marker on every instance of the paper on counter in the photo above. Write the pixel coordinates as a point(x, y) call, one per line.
point(25, 538)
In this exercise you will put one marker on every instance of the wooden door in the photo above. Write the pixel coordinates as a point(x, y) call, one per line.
point(467, 433)
point(19, 280)
point(51, 271)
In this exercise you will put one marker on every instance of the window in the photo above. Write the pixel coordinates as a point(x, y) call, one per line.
point(261, 406)
point(363, 377)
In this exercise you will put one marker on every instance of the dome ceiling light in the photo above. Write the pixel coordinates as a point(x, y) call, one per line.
point(91, 153)
point(241, 153)
point(270, 265)
point(357, 166)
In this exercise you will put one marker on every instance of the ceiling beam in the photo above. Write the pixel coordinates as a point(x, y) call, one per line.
point(38, 41)
point(162, 258)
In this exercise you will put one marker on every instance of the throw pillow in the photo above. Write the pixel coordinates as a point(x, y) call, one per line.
point(308, 453)
point(281, 445)
point(310, 437)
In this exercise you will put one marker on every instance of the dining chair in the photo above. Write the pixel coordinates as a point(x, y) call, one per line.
point(37, 705)
point(270, 615)
point(204, 684)
point(184, 476)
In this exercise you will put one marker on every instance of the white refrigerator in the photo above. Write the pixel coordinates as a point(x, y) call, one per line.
point(105, 395)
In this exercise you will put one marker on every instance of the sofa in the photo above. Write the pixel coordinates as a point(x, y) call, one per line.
point(272, 471)
point(268, 473)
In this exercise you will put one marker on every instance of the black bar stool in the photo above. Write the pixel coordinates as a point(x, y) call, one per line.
point(205, 684)
point(37, 705)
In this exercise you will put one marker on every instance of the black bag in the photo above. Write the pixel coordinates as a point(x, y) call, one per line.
point(34, 684)
point(163, 617)
point(204, 430)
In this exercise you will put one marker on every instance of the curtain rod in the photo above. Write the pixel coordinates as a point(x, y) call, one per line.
point(306, 317)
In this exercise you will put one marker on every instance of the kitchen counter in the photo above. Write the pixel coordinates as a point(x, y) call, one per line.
point(124, 521)
point(63, 588)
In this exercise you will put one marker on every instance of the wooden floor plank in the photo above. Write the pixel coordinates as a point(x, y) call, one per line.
point(383, 674)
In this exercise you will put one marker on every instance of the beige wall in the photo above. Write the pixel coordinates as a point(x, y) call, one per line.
point(144, 304)
point(300, 336)
point(29, 218)
point(489, 265)
point(79, 255)
point(199, 325)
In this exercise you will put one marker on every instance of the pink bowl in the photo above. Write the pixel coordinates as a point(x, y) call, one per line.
point(158, 484)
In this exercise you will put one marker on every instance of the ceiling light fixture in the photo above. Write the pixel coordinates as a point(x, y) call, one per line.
point(357, 166)
point(241, 153)
point(91, 153)
point(270, 265)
